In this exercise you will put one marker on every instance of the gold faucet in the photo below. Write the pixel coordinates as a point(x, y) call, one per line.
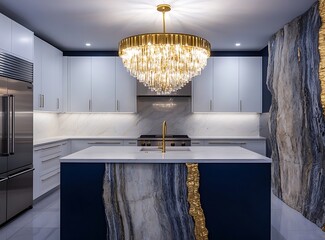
point(164, 132)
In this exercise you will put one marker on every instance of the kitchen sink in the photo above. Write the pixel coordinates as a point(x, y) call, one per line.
point(168, 149)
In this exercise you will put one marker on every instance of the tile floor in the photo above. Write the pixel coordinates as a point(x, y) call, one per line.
point(43, 223)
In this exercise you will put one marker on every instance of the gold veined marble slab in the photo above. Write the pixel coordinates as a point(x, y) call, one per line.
point(322, 52)
point(193, 197)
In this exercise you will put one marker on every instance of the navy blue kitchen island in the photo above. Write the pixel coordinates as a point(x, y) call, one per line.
point(152, 198)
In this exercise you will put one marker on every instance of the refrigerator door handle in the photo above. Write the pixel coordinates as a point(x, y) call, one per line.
point(3, 179)
point(7, 111)
point(12, 123)
point(21, 173)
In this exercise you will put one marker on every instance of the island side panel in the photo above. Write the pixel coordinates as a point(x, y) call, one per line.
point(82, 210)
point(236, 199)
point(147, 201)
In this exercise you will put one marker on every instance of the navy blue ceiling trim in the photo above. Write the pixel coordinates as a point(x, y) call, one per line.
point(90, 53)
point(213, 53)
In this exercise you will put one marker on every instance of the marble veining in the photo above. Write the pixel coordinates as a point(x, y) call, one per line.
point(147, 201)
point(296, 120)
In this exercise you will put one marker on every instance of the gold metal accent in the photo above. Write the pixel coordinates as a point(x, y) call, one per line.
point(164, 38)
point(196, 211)
point(164, 8)
point(299, 54)
point(321, 47)
point(164, 62)
point(164, 132)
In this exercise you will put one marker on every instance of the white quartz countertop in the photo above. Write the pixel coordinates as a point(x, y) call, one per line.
point(43, 141)
point(226, 137)
point(64, 138)
point(126, 154)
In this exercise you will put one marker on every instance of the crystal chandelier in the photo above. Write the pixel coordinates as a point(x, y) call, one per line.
point(164, 62)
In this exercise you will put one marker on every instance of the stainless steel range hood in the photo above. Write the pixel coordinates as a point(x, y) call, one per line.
point(143, 91)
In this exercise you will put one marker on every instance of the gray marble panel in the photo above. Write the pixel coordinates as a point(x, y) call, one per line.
point(296, 120)
point(147, 201)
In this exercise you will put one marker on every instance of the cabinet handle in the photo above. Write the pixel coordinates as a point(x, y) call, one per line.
point(240, 106)
point(227, 143)
point(58, 103)
point(46, 148)
point(115, 143)
point(40, 100)
point(210, 105)
point(89, 105)
point(117, 105)
point(43, 102)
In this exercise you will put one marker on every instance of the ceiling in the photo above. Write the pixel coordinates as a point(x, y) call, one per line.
point(69, 24)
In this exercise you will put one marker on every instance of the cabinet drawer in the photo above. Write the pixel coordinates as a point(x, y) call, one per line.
point(225, 143)
point(50, 163)
point(50, 181)
point(197, 143)
point(106, 143)
point(48, 150)
point(130, 142)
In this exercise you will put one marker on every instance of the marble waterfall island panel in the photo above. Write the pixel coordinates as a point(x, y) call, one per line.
point(147, 201)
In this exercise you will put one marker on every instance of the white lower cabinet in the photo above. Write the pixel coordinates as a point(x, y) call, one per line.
point(47, 166)
point(256, 145)
point(77, 145)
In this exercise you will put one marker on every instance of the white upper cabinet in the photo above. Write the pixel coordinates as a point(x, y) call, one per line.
point(202, 99)
point(5, 33)
point(100, 84)
point(232, 84)
point(47, 77)
point(103, 84)
point(16, 39)
point(79, 88)
point(225, 98)
point(22, 41)
point(250, 84)
point(125, 89)
point(37, 84)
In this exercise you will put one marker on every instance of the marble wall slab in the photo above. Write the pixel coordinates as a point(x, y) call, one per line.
point(151, 113)
point(45, 125)
point(296, 120)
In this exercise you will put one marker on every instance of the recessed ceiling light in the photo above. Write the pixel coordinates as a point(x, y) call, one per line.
point(237, 44)
point(88, 44)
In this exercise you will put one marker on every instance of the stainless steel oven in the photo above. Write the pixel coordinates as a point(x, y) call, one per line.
point(171, 140)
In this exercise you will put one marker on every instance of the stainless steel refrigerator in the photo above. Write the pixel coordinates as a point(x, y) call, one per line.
point(16, 134)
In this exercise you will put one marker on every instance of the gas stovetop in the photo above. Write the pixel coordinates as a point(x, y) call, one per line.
point(153, 136)
point(171, 140)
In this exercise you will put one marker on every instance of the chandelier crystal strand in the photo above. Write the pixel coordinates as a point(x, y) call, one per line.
point(164, 62)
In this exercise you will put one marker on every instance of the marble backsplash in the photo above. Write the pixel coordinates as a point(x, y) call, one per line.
point(45, 125)
point(148, 119)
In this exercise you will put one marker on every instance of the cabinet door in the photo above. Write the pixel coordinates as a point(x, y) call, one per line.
point(103, 84)
point(225, 84)
point(125, 89)
point(5, 33)
point(37, 88)
point(51, 76)
point(22, 41)
point(250, 84)
point(202, 89)
point(79, 77)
